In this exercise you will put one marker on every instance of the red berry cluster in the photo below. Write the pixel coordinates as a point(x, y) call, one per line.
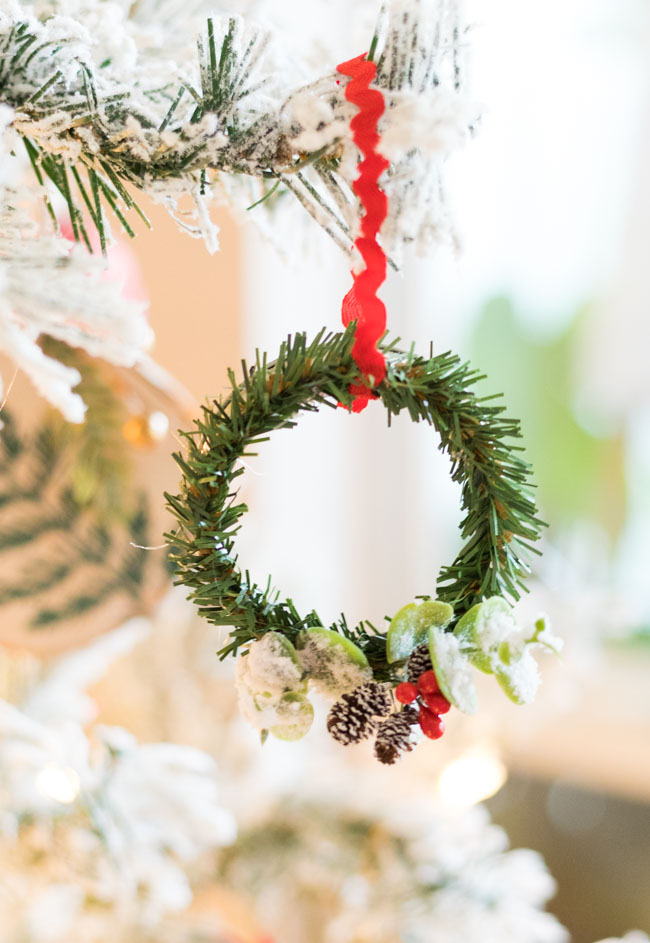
point(432, 703)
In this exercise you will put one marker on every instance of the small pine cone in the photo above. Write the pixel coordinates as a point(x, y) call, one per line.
point(354, 716)
point(418, 663)
point(394, 735)
point(411, 714)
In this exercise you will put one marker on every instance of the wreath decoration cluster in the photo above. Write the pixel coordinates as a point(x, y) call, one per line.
point(92, 123)
point(429, 648)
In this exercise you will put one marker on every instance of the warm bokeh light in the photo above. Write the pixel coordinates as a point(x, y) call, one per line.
point(471, 778)
point(60, 783)
point(158, 425)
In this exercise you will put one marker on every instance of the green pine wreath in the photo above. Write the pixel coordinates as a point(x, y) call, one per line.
point(500, 525)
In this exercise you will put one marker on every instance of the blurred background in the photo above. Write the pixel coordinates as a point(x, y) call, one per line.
point(548, 293)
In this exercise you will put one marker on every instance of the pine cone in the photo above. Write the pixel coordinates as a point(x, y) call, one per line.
point(418, 663)
point(394, 735)
point(354, 716)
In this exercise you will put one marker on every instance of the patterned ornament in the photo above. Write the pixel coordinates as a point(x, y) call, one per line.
point(79, 504)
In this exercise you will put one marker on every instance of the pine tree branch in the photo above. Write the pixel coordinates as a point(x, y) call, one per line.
point(80, 120)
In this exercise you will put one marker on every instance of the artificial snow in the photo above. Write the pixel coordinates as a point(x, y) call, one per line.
point(454, 670)
point(141, 813)
point(522, 678)
point(435, 122)
point(295, 716)
point(50, 287)
point(495, 625)
point(264, 694)
point(142, 59)
point(272, 665)
point(548, 639)
point(259, 710)
point(330, 667)
point(310, 121)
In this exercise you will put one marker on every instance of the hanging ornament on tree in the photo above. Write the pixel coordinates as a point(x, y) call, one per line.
point(432, 646)
point(390, 687)
point(79, 504)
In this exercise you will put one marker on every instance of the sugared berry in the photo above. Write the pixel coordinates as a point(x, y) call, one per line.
point(428, 683)
point(437, 703)
point(432, 725)
point(406, 692)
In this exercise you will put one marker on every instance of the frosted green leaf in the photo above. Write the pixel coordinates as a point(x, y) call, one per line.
point(520, 678)
point(295, 716)
point(332, 661)
point(287, 715)
point(465, 631)
point(410, 627)
point(494, 623)
point(482, 661)
point(544, 636)
point(258, 709)
point(273, 665)
point(507, 653)
point(453, 670)
point(485, 629)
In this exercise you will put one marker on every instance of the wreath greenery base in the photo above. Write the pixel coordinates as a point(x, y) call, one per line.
point(392, 685)
point(500, 524)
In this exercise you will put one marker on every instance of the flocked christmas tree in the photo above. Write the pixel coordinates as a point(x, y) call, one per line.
point(101, 102)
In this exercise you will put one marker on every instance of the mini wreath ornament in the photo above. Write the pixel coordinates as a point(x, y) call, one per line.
point(395, 685)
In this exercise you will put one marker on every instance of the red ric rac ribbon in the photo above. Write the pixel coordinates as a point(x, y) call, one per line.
point(361, 303)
